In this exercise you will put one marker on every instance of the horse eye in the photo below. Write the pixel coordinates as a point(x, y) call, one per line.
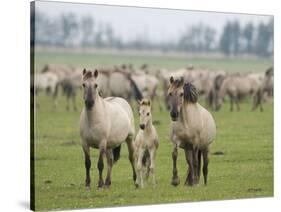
point(170, 94)
point(147, 114)
point(181, 94)
point(96, 85)
point(83, 85)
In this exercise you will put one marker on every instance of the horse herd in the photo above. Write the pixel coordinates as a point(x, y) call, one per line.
point(107, 120)
point(127, 82)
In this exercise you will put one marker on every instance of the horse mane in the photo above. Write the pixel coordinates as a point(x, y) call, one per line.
point(218, 81)
point(190, 93)
point(137, 92)
point(87, 75)
point(269, 71)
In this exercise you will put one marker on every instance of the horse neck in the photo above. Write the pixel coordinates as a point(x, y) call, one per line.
point(187, 113)
point(148, 129)
point(95, 115)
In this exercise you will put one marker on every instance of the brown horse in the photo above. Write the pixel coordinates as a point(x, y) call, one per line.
point(193, 129)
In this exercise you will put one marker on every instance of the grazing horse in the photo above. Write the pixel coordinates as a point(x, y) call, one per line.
point(146, 144)
point(238, 87)
point(192, 129)
point(105, 123)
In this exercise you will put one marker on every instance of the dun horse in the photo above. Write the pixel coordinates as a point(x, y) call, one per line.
point(193, 129)
point(104, 124)
point(146, 144)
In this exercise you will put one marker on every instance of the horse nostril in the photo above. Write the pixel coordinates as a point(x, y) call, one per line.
point(174, 114)
point(89, 103)
point(142, 126)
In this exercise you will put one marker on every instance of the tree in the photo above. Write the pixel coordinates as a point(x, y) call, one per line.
point(230, 38)
point(264, 39)
point(225, 39)
point(69, 29)
point(235, 35)
point(209, 37)
point(87, 25)
point(248, 33)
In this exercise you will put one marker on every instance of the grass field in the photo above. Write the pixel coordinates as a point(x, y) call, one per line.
point(245, 170)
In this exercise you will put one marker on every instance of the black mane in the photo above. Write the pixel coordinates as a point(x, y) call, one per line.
point(190, 93)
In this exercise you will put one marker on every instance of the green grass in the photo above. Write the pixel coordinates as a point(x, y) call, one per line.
point(244, 171)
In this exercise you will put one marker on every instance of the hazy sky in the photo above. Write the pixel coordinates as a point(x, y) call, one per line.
point(157, 24)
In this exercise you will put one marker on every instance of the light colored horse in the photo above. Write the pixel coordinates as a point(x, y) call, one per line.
point(146, 144)
point(239, 86)
point(105, 123)
point(192, 129)
point(122, 85)
point(46, 82)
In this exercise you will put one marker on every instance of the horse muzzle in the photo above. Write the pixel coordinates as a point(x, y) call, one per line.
point(142, 126)
point(174, 115)
point(89, 104)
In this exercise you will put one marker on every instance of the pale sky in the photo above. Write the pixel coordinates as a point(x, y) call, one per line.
point(158, 24)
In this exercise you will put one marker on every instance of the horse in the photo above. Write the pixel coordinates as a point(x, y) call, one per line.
point(192, 129)
point(46, 82)
point(237, 87)
point(146, 144)
point(105, 123)
point(122, 85)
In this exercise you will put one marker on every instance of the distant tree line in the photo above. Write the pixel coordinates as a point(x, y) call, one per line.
point(68, 30)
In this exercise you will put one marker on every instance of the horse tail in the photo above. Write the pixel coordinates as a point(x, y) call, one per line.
point(116, 153)
point(137, 92)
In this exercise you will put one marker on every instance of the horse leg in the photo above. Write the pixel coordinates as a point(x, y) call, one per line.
point(175, 179)
point(205, 165)
point(199, 166)
point(131, 150)
point(189, 158)
point(86, 150)
point(55, 95)
point(237, 103)
point(231, 103)
point(100, 165)
point(195, 164)
point(139, 166)
point(254, 102)
point(109, 158)
point(259, 99)
point(152, 154)
point(74, 101)
point(67, 102)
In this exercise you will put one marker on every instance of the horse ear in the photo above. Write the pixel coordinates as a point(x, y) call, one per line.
point(171, 79)
point(96, 73)
point(84, 71)
point(148, 102)
point(139, 102)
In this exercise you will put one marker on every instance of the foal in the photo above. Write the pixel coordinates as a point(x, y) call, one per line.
point(146, 144)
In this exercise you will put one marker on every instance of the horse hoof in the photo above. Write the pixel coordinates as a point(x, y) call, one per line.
point(100, 184)
point(88, 188)
point(175, 181)
point(106, 186)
